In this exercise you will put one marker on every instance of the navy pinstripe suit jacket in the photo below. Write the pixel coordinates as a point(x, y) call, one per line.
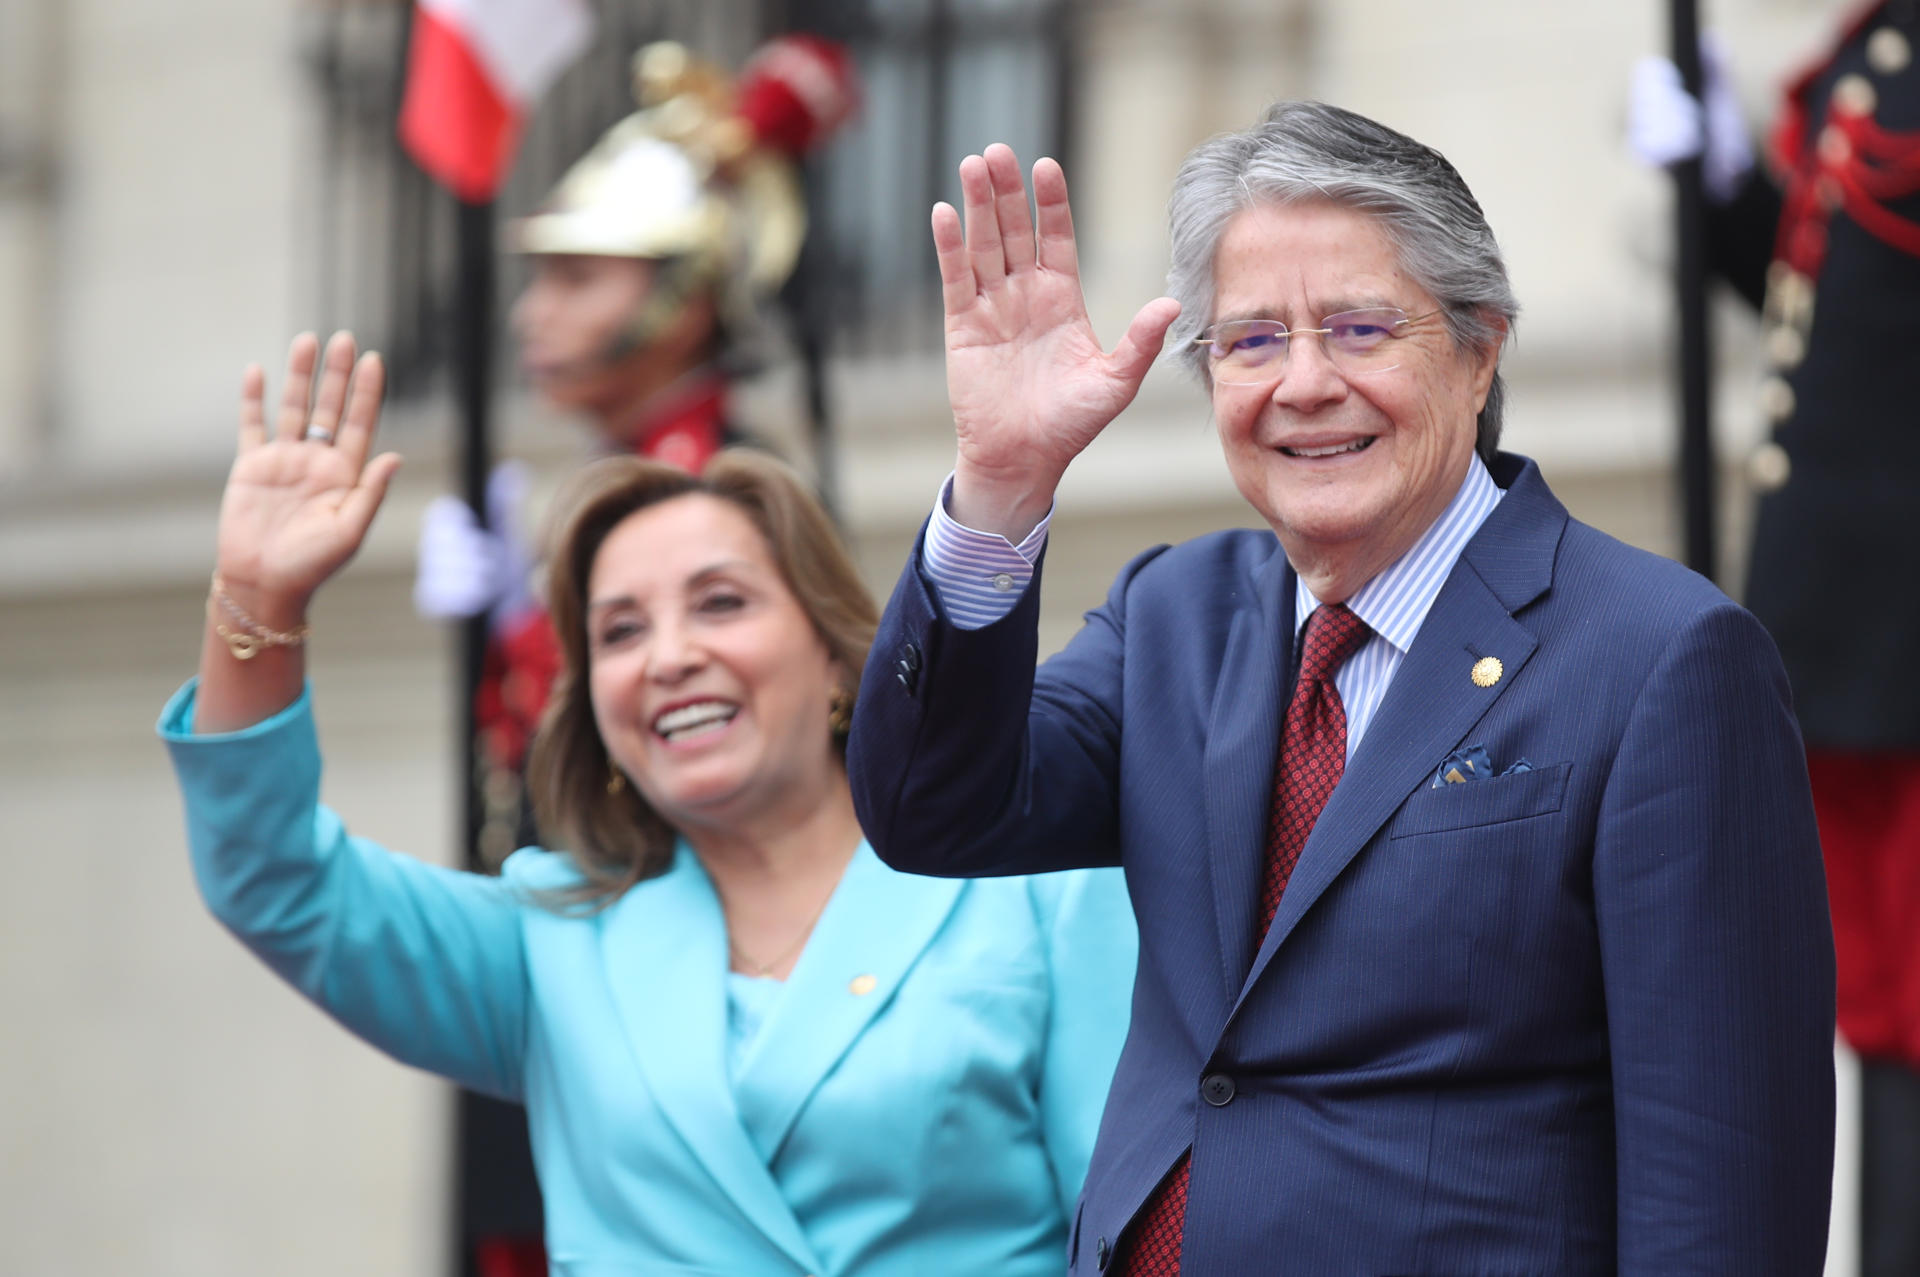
point(1571, 1020)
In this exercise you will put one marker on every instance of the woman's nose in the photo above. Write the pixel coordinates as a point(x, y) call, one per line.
point(674, 651)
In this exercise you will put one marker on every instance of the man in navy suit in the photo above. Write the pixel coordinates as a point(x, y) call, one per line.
point(1482, 924)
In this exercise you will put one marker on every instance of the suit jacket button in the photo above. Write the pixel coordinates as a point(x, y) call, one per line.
point(1217, 1089)
point(905, 680)
point(910, 657)
point(1101, 1254)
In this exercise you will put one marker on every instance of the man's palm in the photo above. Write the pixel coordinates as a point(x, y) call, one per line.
point(1028, 381)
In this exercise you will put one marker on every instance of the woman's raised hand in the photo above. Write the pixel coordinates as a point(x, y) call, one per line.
point(299, 500)
point(1029, 382)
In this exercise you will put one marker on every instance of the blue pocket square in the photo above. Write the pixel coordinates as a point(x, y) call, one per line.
point(1472, 763)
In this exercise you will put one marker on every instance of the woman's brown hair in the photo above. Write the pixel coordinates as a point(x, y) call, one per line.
point(616, 838)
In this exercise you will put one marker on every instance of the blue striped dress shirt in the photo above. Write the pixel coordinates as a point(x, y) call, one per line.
point(979, 576)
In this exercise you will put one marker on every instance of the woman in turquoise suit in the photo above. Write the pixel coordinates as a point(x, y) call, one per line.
point(745, 1046)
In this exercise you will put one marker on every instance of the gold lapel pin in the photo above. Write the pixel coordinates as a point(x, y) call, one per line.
point(1487, 671)
point(861, 985)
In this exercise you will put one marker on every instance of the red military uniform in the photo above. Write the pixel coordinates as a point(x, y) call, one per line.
point(1828, 243)
point(1837, 544)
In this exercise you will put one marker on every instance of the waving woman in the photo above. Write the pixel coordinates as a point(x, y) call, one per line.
point(745, 1046)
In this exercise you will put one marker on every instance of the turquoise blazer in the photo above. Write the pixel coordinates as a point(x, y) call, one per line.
point(922, 1098)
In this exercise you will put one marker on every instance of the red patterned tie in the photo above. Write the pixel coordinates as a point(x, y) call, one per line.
point(1313, 754)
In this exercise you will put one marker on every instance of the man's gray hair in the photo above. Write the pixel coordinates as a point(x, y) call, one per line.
point(1312, 151)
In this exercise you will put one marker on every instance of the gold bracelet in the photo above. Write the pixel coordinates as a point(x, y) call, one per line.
point(245, 643)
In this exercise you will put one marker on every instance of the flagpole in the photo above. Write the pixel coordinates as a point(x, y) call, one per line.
point(807, 303)
point(472, 376)
point(473, 379)
point(474, 75)
point(1690, 284)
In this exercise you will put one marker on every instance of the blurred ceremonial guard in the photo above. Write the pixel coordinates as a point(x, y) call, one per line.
point(1825, 238)
point(654, 263)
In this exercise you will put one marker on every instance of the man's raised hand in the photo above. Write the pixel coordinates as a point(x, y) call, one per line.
point(1029, 382)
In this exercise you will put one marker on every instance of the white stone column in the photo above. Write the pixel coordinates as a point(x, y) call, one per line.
point(177, 251)
point(30, 84)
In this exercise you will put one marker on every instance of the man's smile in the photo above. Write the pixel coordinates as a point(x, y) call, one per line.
point(1328, 449)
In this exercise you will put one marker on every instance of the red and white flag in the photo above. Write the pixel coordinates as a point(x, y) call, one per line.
point(475, 69)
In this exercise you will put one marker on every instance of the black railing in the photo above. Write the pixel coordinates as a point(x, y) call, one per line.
point(941, 78)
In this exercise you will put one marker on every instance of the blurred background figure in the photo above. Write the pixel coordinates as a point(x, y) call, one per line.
point(1821, 233)
point(656, 257)
point(653, 265)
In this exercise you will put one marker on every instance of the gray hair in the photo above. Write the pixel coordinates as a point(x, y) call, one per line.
point(1312, 151)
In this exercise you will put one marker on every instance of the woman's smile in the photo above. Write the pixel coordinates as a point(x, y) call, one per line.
point(711, 686)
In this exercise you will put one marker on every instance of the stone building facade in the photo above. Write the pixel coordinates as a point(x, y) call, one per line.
point(164, 220)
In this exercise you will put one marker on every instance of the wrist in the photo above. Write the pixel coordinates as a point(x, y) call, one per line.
point(249, 604)
point(1006, 504)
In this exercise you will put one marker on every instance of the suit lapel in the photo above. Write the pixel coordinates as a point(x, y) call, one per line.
point(873, 930)
point(665, 949)
point(1243, 735)
point(1433, 702)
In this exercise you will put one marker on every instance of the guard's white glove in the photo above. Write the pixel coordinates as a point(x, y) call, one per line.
point(466, 569)
point(1665, 124)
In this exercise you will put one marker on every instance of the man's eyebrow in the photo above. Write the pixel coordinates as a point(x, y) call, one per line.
point(1357, 301)
point(1361, 301)
point(1258, 312)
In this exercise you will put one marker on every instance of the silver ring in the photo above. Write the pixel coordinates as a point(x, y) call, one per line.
point(318, 434)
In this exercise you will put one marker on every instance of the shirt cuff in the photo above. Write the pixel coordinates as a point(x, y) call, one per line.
point(978, 576)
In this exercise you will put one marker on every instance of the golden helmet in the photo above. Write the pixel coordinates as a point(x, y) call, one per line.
point(704, 174)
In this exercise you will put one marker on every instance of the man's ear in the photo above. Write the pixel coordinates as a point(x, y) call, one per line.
point(1486, 360)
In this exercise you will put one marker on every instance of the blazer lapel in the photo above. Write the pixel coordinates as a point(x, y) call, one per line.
point(1243, 736)
point(665, 950)
point(873, 930)
point(1433, 702)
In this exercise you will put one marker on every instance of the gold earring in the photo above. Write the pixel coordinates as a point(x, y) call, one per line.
point(616, 782)
point(840, 712)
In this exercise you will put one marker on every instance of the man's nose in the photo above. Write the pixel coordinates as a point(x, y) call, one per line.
point(1308, 375)
point(527, 313)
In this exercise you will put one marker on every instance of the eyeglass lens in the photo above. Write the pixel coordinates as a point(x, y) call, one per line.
point(1247, 351)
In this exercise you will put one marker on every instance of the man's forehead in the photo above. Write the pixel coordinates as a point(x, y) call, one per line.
point(1273, 254)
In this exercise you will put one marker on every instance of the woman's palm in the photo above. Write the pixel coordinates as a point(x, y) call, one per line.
point(298, 504)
